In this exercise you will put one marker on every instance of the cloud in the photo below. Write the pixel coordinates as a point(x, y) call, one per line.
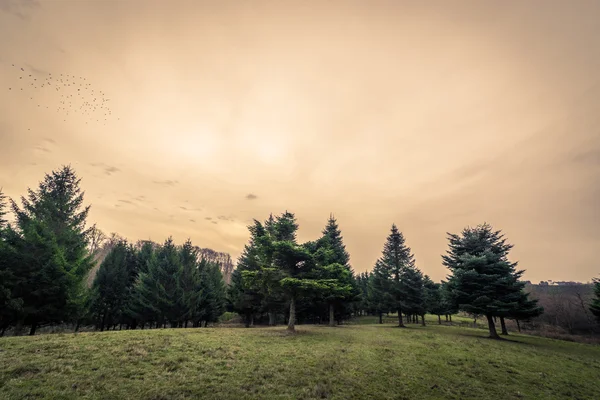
point(19, 8)
point(208, 218)
point(167, 182)
point(183, 208)
point(42, 149)
point(251, 196)
point(225, 218)
point(107, 169)
point(192, 220)
point(50, 140)
point(215, 222)
point(126, 201)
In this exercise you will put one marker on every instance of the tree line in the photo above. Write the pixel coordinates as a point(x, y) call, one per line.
point(46, 257)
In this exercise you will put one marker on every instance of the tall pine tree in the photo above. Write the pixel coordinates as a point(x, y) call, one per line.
point(483, 281)
point(52, 250)
point(396, 280)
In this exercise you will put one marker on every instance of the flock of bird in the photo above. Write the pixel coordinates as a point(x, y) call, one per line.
point(77, 94)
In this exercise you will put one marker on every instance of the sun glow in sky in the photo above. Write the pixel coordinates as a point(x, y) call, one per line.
point(429, 115)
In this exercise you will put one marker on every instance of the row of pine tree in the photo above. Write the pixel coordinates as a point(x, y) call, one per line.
point(45, 260)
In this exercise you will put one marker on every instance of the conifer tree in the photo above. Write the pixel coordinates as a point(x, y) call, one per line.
point(157, 290)
point(244, 293)
point(595, 306)
point(9, 305)
point(396, 279)
point(213, 292)
point(483, 280)
point(333, 265)
point(52, 250)
point(112, 286)
point(189, 283)
point(434, 302)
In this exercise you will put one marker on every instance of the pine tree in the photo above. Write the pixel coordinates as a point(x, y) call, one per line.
point(112, 287)
point(157, 290)
point(244, 293)
point(189, 283)
point(483, 281)
point(396, 280)
point(213, 292)
point(333, 261)
point(10, 306)
point(52, 250)
point(595, 306)
point(434, 301)
point(140, 308)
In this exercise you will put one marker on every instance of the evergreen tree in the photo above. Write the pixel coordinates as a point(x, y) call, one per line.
point(380, 294)
point(158, 292)
point(483, 280)
point(333, 265)
point(112, 286)
point(595, 306)
point(53, 258)
point(525, 310)
point(396, 279)
point(434, 301)
point(140, 308)
point(10, 306)
point(189, 283)
point(245, 294)
point(213, 292)
point(412, 293)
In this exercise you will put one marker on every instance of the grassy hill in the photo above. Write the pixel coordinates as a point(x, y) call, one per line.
point(360, 361)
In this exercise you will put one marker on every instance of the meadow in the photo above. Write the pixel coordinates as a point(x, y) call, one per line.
point(357, 361)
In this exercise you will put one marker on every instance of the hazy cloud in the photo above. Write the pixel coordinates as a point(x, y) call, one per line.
point(167, 182)
point(251, 196)
point(126, 201)
point(191, 220)
point(19, 8)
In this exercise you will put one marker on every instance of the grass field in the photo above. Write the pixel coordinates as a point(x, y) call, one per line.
point(357, 361)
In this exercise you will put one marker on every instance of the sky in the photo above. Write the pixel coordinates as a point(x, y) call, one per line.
point(207, 114)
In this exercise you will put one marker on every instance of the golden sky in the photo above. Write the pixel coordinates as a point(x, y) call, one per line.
point(431, 115)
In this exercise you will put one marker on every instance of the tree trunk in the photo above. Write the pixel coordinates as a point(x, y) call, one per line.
point(518, 325)
point(439, 319)
point(450, 319)
point(423, 319)
point(331, 315)
point(33, 328)
point(251, 320)
point(292, 321)
point(400, 322)
point(446, 317)
point(504, 331)
point(381, 318)
point(272, 321)
point(247, 321)
point(3, 330)
point(77, 326)
point(492, 326)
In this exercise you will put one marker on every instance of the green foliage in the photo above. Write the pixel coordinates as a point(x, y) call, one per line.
point(397, 284)
point(483, 280)
point(112, 289)
point(49, 245)
point(595, 306)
